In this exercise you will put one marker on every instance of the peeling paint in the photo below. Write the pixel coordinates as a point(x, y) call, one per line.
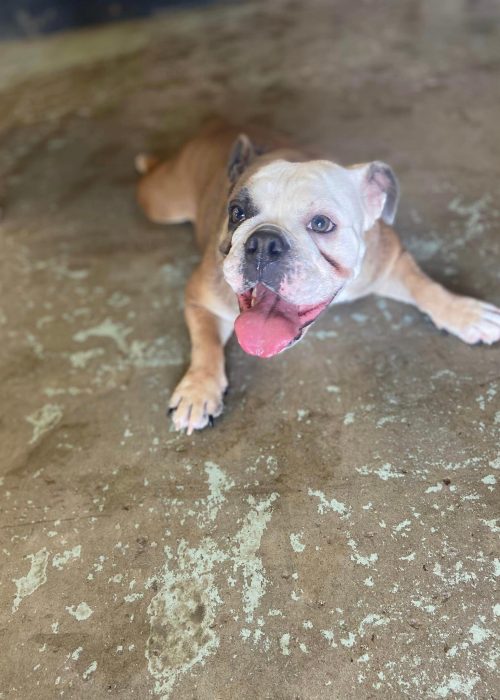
point(90, 670)
point(386, 419)
point(330, 637)
point(349, 641)
point(374, 620)
point(182, 614)
point(116, 332)
point(349, 418)
point(456, 684)
point(385, 472)
point(435, 489)
point(456, 576)
point(36, 577)
point(491, 524)
point(245, 553)
point(479, 634)
point(402, 526)
point(79, 360)
point(132, 597)
point(358, 558)
point(333, 505)
point(218, 484)
point(81, 612)
point(285, 644)
point(297, 545)
point(183, 611)
point(43, 420)
point(59, 561)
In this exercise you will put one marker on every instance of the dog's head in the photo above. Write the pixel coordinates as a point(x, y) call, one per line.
point(295, 238)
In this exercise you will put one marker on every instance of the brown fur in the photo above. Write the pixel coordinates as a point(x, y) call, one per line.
point(194, 187)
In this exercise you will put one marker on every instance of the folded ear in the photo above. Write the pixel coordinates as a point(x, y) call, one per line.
point(242, 154)
point(379, 191)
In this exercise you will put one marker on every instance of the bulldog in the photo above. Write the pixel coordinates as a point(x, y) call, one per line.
point(283, 235)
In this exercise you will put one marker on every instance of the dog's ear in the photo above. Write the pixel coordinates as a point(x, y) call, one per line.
point(242, 154)
point(379, 190)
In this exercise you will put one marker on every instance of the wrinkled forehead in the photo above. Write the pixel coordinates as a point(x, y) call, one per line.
point(282, 186)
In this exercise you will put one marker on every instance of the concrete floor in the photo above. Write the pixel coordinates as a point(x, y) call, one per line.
point(336, 534)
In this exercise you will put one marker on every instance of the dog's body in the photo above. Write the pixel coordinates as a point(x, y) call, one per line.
point(300, 234)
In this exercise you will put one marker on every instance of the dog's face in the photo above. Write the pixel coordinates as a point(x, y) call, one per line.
point(295, 238)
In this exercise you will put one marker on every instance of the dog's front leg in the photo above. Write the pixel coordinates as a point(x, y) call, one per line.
point(473, 321)
point(198, 398)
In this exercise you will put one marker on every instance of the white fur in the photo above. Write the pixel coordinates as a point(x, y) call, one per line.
point(289, 195)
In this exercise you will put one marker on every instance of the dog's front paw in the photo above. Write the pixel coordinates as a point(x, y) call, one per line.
point(473, 321)
point(197, 400)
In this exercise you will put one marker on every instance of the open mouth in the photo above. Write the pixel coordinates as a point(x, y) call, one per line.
point(268, 324)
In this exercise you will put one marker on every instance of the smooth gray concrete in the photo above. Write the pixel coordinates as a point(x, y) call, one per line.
point(336, 534)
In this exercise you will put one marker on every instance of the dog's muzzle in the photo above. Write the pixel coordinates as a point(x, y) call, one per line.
point(265, 251)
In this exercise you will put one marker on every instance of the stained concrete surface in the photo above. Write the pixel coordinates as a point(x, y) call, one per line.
point(336, 534)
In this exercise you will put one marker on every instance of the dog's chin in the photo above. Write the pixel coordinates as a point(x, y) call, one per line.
point(269, 324)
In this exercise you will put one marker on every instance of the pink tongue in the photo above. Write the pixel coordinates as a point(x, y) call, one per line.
point(269, 326)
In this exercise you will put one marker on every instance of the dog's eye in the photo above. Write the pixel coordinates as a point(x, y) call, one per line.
point(236, 214)
point(321, 224)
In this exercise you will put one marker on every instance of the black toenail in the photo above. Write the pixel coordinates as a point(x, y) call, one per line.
point(211, 421)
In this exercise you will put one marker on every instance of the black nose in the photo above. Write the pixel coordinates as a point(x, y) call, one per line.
point(265, 246)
